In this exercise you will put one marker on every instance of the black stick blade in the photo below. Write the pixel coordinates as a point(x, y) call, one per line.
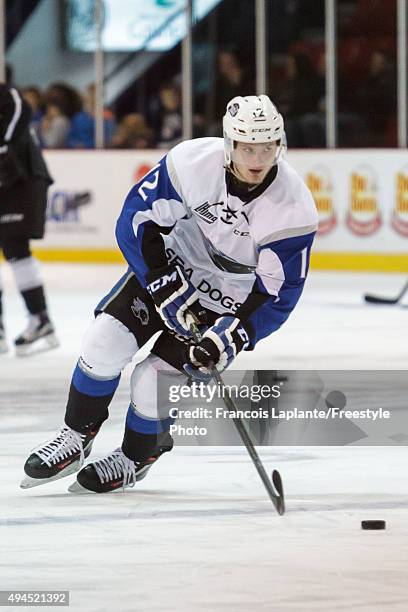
point(277, 483)
point(374, 299)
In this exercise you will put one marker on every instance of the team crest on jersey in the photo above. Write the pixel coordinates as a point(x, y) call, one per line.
point(140, 311)
point(230, 215)
point(204, 212)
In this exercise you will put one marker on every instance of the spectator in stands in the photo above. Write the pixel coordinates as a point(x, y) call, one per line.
point(301, 93)
point(54, 127)
point(82, 129)
point(62, 102)
point(231, 80)
point(169, 123)
point(132, 133)
point(32, 95)
point(376, 97)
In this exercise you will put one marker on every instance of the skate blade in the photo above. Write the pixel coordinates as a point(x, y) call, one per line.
point(29, 483)
point(41, 345)
point(78, 489)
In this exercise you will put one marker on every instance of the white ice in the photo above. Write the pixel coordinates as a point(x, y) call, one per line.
point(199, 533)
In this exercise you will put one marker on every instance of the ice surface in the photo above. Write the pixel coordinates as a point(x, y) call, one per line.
point(199, 533)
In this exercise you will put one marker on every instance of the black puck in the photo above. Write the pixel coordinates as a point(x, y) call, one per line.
point(372, 524)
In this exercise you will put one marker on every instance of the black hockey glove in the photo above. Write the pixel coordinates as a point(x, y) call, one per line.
point(174, 296)
point(218, 347)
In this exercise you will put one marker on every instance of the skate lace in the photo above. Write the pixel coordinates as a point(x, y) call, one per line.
point(115, 466)
point(66, 443)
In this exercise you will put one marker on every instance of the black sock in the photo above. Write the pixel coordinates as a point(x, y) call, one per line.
point(34, 300)
point(84, 411)
point(139, 447)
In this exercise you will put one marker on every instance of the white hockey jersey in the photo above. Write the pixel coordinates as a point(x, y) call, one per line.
point(248, 257)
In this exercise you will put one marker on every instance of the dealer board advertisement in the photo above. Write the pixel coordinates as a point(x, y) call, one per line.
point(361, 197)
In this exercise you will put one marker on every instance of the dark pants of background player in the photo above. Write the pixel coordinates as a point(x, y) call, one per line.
point(131, 304)
point(22, 217)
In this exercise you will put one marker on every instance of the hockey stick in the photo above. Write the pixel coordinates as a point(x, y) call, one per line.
point(273, 487)
point(373, 299)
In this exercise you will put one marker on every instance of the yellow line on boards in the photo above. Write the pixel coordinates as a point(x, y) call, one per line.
point(100, 256)
point(360, 262)
point(342, 261)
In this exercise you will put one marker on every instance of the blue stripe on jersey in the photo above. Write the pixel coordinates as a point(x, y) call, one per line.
point(294, 255)
point(146, 426)
point(153, 186)
point(272, 314)
point(289, 251)
point(92, 386)
point(116, 288)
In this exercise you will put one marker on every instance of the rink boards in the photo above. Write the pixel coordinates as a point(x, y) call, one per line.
point(361, 196)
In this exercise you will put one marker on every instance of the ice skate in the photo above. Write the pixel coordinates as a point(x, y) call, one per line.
point(61, 456)
point(3, 342)
point(116, 471)
point(37, 337)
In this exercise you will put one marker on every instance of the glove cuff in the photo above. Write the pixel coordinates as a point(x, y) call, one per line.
point(227, 331)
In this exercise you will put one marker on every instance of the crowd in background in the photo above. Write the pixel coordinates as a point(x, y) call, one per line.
point(366, 84)
point(64, 118)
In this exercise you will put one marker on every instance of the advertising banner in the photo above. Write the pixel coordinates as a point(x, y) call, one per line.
point(361, 197)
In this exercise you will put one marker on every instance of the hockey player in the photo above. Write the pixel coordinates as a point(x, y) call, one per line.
point(24, 181)
point(221, 228)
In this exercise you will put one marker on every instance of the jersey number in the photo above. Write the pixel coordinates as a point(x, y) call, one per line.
point(149, 184)
point(304, 263)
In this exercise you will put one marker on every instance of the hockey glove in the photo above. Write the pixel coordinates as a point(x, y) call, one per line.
point(174, 297)
point(218, 347)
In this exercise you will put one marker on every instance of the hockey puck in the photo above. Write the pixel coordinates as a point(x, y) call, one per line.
point(372, 524)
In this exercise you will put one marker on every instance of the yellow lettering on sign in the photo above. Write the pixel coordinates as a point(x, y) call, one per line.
point(314, 182)
point(358, 182)
point(402, 202)
point(402, 182)
point(359, 204)
point(323, 205)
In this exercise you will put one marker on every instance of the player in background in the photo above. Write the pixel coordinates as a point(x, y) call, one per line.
point(221, 228)
point(24, 181)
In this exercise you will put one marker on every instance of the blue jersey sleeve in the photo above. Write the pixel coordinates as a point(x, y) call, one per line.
point(280, 277)
point(152, 206)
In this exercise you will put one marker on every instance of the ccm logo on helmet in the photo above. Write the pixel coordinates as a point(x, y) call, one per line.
point(261, 129)
point(162, 282)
